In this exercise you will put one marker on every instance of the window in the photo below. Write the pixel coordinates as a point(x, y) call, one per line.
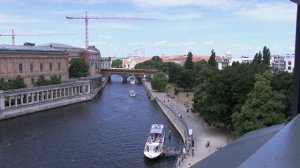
point(289, 63)
point(20, 68)
point(58, 64)
point(41, 67)
point(32, 81)
point(50, 66)
point(289, 68)
point(31, 67)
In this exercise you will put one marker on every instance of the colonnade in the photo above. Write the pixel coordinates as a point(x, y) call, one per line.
point(42, 94)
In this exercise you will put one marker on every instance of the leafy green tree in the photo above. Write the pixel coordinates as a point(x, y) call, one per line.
point(212, 59)
point(41, 81)
point(188, 64)
point(117, 63)
point(186, 79)
point(78, 68)
point(54, 80)
point(17, 83)
point(154, 63)
point(257, 58)
point(159, 82)
point(262, 108)
point(173, 70)
point(266, 56)
point(283, 83)
point(3, 84)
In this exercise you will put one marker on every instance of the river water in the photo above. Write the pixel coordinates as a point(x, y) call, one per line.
point(108, 131)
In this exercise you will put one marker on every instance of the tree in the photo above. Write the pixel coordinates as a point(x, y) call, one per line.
point(17, 83)
point(262, 108)
point(154, 63)
point(212, 59)
point(54, 80)
point(188, 64)
point(173, 70)
point(257, 58)
point(117, 63)
point(186, 79)
point(78, 68)
point(159, 82)
point(283, 83)
point(3, 84)
point(41, 81)
point(266, 56)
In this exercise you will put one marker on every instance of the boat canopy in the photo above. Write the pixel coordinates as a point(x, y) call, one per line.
point(156, 129)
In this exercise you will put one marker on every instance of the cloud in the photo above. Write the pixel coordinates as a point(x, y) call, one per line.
point(4, 18)
point(160, 43)
point(208, 43)
point(86, 2)
point(170, 3)
point(269, 12)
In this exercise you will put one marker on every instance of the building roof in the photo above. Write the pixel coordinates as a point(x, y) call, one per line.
point(277, 146)
point(239, 150)
point(182, 58)
point(24, 48)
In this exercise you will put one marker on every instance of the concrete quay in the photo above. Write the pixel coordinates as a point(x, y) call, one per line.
point(202, 134)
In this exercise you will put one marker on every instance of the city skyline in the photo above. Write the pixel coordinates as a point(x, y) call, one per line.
point(241, 28)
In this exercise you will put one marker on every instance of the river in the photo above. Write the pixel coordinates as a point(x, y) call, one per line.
point(108, 131)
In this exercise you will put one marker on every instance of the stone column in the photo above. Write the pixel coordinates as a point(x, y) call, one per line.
point(89, 88)
point(37, 97)
point(2, 103)
point(21, 99)
point(9, 101)
point(27, 98)
point(51, 93)
point(16, 102)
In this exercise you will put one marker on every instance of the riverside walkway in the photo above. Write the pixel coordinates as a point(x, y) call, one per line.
point(202, 134)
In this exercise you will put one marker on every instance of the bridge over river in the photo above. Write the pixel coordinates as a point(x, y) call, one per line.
point(108, 131)
point(125, 73)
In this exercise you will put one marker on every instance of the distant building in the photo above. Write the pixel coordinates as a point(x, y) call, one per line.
point(106, 62)
point(283, 62)
point(77, 52)
point(180, 59)
point(242, 59)
point(31, 61)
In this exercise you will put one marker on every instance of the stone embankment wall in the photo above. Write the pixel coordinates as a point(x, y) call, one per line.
point(19, 102)
point(175, 120)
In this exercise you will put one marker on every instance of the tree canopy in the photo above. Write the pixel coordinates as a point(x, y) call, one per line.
point(262, 108)
point(212, 59)
point(78, 68)
point(16, 83)
point(117, 63)
point(188, 64)
point(159, 82)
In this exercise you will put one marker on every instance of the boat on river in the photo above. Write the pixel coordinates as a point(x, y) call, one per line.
point(132, 93)
point(155, 141)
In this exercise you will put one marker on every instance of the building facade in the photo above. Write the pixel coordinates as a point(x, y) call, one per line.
point(30, 62)
point(283, 62)
point(77, 52)
point(106, 62)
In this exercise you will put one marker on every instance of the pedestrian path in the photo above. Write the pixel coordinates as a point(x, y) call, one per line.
point(207, 139)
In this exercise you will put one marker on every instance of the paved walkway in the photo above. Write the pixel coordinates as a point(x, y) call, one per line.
point(202, 133)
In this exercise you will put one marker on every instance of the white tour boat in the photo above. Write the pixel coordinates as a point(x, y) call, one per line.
point(155, 141)
point(131, 93)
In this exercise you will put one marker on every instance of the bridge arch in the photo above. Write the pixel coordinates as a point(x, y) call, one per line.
point(126, 73)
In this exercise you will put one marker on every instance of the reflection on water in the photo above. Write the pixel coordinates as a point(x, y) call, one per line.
point(109, 131)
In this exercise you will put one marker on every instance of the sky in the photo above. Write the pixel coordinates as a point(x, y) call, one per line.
point(239, 27)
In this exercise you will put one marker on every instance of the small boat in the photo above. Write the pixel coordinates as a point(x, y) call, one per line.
point(132, 93)
point(132, 80)
point(155, 141)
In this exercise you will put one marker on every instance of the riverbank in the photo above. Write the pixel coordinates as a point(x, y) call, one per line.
point(202, 134)
point(14, 103)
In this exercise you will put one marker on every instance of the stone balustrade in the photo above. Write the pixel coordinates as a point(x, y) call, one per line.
point(23, 101)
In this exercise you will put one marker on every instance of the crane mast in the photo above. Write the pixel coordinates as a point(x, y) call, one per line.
point(86, 19)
